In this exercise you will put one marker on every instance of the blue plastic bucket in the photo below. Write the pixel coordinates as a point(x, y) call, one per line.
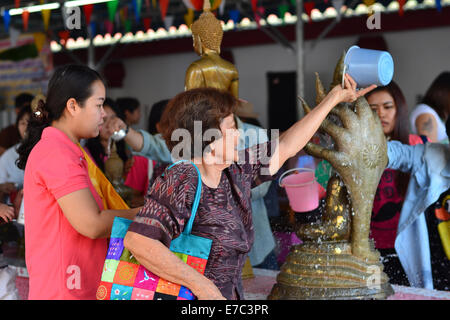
point(368, 66)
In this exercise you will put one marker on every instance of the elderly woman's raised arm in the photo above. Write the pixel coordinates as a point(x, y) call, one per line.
point(297, 136)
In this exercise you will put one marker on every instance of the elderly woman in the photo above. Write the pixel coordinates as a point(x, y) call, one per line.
point(224, 214)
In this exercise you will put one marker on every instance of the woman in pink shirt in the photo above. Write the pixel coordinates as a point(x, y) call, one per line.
point(66, 227)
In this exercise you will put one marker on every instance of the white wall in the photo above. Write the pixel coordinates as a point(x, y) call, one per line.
point(419, 56)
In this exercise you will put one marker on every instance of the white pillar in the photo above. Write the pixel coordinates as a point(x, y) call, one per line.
point(91, 49)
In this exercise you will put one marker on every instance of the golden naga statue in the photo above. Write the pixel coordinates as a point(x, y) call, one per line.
point(337, 260)
point(210, 70)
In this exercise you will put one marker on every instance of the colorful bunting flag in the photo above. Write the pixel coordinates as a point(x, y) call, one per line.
point(123, 14)
point(337, 4)
point(438, 5)
point(222, 7)
point(112, 9)
point(234, 15)
point(109, 26)
point(401, 4)
point(282, 9)
point(189, 17)
point(14, 36)
point(194, 4)
point(198, 4)
point(137, 5)
point(369, 2)
point(259, 13)
point(147, 22)
point(46, 18)
point(64, 35)
point(309, 6)
point(127, 25)
point(254, 5)
point(6, 20)
point(168, 22)
point(39, 40)
point(88, 12)
point(25, 17)
point(93, 26)
point(163, 5)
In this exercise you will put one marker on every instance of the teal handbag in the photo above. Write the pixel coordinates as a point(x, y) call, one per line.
point(124, 278)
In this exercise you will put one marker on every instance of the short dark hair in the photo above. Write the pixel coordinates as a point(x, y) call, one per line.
point(127, 104)
point(26, 109)
point(23, 99)
point(155, 115)
point(112, 104)
point(208, 105)
point(438, 95)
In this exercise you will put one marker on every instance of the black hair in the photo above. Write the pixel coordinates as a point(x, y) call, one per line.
point(438, 95)
point(127, 104)
point(67, 82)
point(26, 109)
point(112, 104)
point(23, 99)
point(155, 115)
point(96, 148)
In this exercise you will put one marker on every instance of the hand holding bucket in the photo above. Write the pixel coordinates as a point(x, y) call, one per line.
point(369, 67)
point(301, 188)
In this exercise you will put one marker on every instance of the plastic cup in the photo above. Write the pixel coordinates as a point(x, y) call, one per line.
point(368, 66)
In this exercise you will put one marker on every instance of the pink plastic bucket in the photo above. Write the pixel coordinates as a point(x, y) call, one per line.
point(301, 188)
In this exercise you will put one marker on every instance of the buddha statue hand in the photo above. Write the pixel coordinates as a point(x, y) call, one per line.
point(359, 157)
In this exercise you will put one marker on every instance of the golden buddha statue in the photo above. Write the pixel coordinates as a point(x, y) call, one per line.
point(210, 71)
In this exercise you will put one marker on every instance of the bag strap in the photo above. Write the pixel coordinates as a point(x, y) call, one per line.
point(188, 228)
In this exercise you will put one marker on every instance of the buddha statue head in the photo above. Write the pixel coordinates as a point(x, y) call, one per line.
point(207, 31)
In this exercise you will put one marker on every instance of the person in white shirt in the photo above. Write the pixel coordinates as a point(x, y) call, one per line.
point(428, 118)
point(11, 177)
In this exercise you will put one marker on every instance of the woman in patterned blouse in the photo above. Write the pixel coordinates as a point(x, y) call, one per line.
point(224, 214)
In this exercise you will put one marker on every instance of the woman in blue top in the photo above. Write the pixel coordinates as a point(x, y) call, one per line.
point(429, 165)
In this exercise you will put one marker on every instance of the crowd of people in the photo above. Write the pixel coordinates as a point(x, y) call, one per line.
point(46, 158)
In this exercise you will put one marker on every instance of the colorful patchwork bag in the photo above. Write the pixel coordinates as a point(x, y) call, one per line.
point(124, 278)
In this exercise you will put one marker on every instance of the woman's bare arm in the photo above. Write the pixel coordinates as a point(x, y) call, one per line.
point(298, 135)
point(83, 213)
point(157, 258)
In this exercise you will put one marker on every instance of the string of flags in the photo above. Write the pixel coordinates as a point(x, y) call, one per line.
point(122, 18)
